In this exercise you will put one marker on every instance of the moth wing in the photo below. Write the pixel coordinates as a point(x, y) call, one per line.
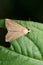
point(13, 26)
point(8, 36)
point(14, 30)
point(13, 35)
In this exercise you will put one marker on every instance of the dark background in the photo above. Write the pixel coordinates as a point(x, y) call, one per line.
point(3, 32)
point(22, 9)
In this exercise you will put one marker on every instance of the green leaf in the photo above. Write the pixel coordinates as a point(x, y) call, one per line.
point(26, 50)
point(2, 24)
point(8, 57)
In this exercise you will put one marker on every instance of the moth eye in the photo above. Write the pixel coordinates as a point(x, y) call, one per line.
point(29, 30)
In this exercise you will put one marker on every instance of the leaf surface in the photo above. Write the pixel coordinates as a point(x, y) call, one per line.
point(26, 50)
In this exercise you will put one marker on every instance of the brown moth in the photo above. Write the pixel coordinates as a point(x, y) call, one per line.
point(15, 30)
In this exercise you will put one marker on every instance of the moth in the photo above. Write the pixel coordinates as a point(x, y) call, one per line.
point(15, 30)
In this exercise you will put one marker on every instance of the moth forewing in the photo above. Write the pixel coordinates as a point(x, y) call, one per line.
point(15, 30)
point(12, 25)
point(8, 37)
point(13, 35)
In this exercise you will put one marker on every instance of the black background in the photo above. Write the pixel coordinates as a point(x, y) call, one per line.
point(22, 9)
